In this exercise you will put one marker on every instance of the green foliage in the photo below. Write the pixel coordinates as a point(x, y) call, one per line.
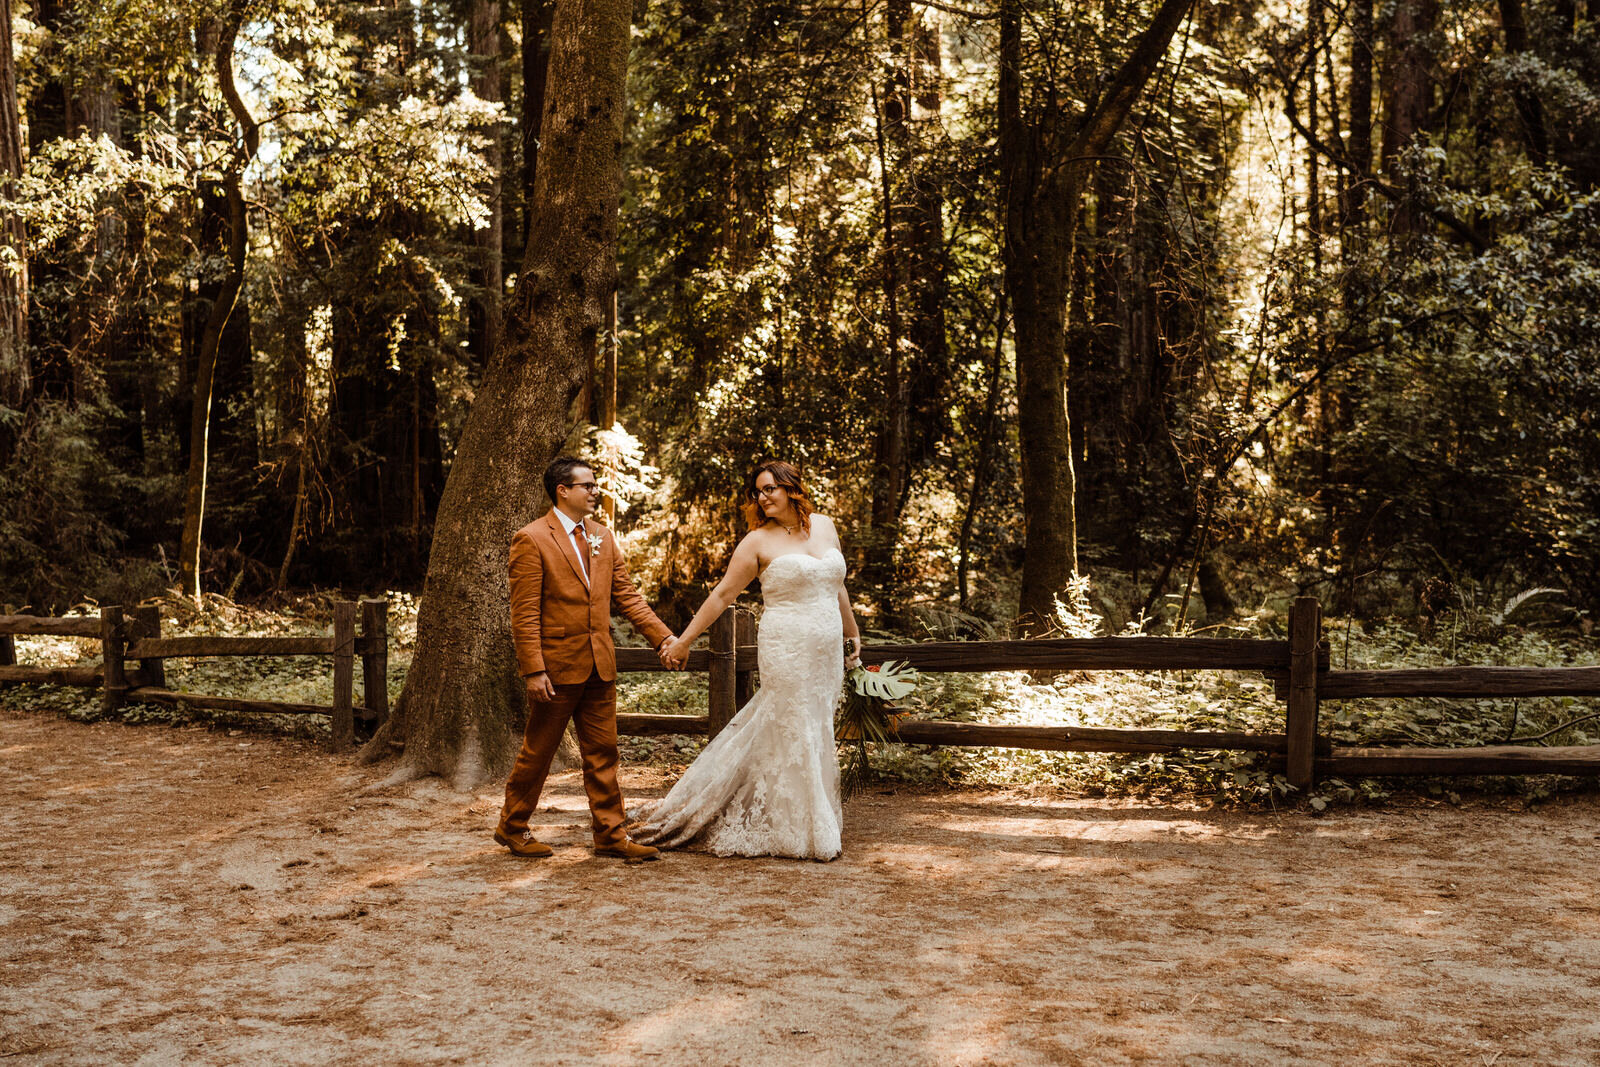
point(1381, 392)
point(61, 527)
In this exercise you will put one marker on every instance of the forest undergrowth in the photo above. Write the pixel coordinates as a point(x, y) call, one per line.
point(1175, 700)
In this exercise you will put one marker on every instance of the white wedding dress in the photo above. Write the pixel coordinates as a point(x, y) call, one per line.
point(768, 784)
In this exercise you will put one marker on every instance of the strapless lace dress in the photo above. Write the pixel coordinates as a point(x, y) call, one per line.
point(768, 784)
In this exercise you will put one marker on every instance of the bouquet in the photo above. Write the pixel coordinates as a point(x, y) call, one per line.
point(867, 712)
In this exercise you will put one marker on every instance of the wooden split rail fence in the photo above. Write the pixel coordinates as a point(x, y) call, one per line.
point(1299, 667)
point(135, 635)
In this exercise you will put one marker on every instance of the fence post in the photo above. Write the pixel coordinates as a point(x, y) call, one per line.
point(113, 677)
point(744, 636)
point(147, 620)
point(374, 662)
point(720, 704)
point(1305, 634)
point(344, 673)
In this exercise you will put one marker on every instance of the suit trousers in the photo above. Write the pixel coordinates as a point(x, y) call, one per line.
point(591, 707)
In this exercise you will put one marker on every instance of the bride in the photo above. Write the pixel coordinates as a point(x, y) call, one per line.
point(768, 784)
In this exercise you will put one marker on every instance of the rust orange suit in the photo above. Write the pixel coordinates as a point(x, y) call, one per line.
point(561, 625)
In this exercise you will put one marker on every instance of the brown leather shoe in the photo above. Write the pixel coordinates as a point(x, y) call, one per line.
point(523, 844)
point(631, 851)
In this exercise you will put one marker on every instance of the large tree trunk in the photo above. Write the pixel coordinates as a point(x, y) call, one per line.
point(462, 711)
point(222, 306)
point(14, 376)
point(1045, 161)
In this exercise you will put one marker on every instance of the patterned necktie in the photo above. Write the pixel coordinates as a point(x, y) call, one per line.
point(580, 544)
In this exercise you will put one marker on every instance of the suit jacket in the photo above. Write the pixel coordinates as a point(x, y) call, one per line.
point(560, 624)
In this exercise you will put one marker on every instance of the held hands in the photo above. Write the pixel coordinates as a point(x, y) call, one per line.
point(540, 688)
point(674, 653)
point(852, 653)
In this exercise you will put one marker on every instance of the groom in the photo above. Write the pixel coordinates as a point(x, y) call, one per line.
point(566, 575)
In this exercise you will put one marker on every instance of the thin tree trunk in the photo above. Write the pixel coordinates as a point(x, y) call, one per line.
point(1360, 141)
point(462, 711)
point(194, 496)
point(537, 18)
point(15, 379)
point(296, 521)
point(889, 454)
point(987, 444)
point(1529, 108)
point(1408, 91)
point(483, 43)
point(916, 361)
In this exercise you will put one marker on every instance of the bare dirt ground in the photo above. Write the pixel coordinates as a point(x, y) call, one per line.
point(175, 895)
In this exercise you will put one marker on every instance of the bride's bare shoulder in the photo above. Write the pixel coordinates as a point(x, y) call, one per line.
point(755, 540)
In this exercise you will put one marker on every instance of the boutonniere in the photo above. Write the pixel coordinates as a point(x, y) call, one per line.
point(594, 544)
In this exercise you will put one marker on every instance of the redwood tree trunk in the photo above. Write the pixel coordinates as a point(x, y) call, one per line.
point(14, 376)
point(462, 711)
point(1044, 161)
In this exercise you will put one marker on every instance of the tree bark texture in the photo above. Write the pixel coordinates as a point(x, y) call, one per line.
point(14, 371)
point(1045, 161)
point(462, 712)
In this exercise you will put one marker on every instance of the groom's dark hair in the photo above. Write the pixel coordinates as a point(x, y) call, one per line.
point(560, 473)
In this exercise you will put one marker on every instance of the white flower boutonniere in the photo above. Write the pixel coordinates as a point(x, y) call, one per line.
point(594, 544)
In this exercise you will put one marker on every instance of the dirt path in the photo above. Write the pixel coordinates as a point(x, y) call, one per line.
point(182, 896)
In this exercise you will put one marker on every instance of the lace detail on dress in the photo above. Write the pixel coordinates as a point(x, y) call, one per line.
point(768, 785)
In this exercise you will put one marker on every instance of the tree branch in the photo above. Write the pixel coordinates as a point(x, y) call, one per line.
point(951, 9)
point(1558, 729)
point(249, 128)
point(1479, 243)
point(1101, 125)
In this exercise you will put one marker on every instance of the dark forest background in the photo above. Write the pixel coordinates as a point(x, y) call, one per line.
point(1331, 317)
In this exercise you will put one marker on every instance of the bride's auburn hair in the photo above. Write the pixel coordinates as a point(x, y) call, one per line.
point(787, 477)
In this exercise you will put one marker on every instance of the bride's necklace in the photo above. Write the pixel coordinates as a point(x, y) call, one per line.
point(790, 529)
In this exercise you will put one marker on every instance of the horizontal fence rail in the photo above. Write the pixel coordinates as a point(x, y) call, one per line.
point(1461, 682)
point(1489, 759)
point(37, 626)
point(135, 635)
point(186, 647)
point(1299, 668)
point(1088, 654)
point(88, 677)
